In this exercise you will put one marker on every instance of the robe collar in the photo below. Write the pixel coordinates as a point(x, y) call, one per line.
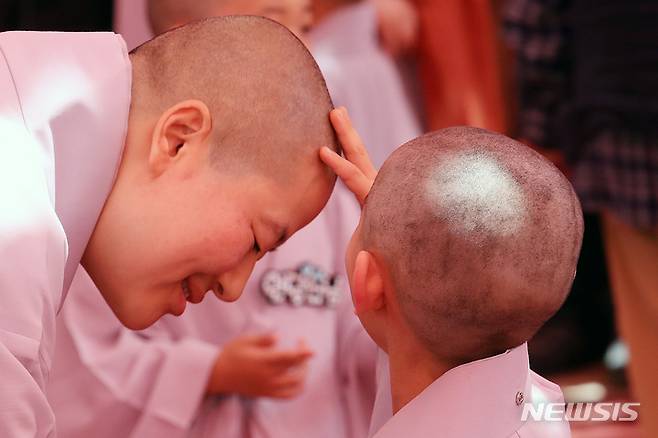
point(477, 399)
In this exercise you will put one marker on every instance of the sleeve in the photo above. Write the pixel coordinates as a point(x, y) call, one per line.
point(357, 353)
point(149, 383)
point(32, 257)
point(538, 33)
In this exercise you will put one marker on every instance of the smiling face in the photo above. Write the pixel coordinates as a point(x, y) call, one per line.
point(189, 229)
point(200, 235)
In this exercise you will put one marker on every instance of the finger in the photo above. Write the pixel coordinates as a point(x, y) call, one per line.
point(264, 340)
point(287, 393)
point(353, 146)
point(287, 359)
point(293, 378)
point(353, 178)
point(289, 383)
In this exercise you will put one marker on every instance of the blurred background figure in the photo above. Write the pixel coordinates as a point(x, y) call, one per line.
point(588, 82)
point(459, 58)
point(353, 43)
point(583, 329)
point(296, 15)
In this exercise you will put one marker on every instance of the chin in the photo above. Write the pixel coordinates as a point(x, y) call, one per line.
point(136, 316)
point(134, 322)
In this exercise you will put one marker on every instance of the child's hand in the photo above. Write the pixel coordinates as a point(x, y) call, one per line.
point(252, 366)
point(356, 169)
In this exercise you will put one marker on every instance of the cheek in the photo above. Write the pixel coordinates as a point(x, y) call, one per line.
point(223, 244)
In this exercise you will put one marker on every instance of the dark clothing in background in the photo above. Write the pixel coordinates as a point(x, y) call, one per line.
point(56, 15)
point(588, 72)
point(583, 328)
point(588, 75)
point(538, 33)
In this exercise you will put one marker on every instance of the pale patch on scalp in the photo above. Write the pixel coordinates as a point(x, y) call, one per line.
point(474, 192)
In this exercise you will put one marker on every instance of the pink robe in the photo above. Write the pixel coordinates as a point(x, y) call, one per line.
point(361, 76)
point(109, 381)
point(484, 398)
point(64, 101)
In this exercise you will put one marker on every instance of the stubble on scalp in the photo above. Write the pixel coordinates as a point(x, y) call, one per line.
point(480, 236)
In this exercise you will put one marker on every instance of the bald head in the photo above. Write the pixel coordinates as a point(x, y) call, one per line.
point(480, 236)
point(268, 100)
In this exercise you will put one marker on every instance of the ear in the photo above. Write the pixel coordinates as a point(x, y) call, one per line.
point(180, 131)
point(367, 284)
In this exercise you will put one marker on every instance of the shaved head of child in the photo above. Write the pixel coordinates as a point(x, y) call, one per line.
point(469, 240)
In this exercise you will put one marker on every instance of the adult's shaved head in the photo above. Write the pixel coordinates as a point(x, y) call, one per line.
point(480, 236)
point(267, 97)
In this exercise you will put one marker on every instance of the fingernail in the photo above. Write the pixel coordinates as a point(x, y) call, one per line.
point(328, 150)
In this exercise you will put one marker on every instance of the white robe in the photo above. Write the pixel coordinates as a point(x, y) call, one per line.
point(64, 102)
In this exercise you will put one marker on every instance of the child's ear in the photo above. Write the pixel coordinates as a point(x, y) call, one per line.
point(367, 284)
point(177, 131)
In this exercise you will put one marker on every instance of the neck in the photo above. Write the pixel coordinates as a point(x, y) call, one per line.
point(412, 369)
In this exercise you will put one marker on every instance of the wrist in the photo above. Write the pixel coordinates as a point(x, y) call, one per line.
point(219, 381)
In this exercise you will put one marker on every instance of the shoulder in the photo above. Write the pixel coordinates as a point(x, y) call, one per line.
point(29, 220)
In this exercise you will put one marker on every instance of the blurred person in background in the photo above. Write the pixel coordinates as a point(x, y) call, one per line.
point(289, 359)
point(355, 43)
point(583, 328)
point(296, 15)
point(589, 89)
point(460, 64)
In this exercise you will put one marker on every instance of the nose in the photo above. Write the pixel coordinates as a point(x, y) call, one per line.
point(233, 282)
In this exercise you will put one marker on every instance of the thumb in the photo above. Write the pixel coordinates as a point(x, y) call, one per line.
point(264, 340)
point(302, 345)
